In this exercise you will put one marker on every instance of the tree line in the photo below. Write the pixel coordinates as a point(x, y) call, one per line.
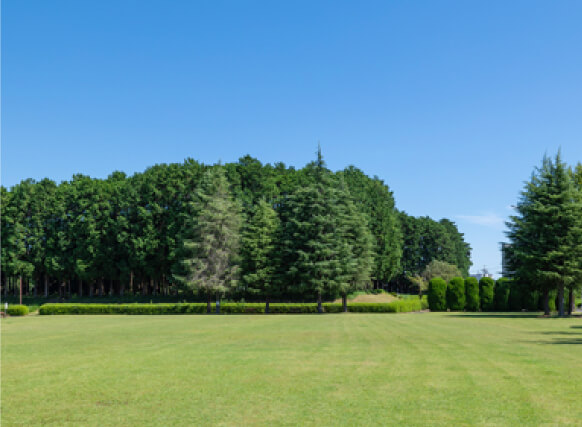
point(252, 230)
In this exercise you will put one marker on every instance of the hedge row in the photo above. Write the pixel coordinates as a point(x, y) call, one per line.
point(399, 306)
point(17, 310)
point(485, 295)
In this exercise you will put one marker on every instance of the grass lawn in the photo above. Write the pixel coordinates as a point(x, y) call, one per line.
point(364, 297)
point(335, 369)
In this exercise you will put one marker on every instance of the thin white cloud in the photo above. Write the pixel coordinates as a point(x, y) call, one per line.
point(487, 220)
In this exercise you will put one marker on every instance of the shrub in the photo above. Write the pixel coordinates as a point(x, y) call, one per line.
point(486, 290)
point(531, 300)
point(501, 294)
point(17, 310)
point(400, 306)
point(437, 294)
point(471, 294)
point(456, 294)
point(517, 296)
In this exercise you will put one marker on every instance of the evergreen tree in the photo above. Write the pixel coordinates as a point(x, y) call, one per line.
point(357, 255)
point(212, 266)
point(546, 233)
point(313, 243)
point(258, 252)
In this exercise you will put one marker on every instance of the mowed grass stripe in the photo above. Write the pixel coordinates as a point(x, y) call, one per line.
point(336, 369)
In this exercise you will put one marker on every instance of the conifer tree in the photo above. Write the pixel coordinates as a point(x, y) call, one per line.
point(546, 233)
point(212, 266)
point(258, 252)
point(313, 246)
point(357, 253)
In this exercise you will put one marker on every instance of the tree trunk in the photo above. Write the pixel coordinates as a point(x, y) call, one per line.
point(131, 282)
point(35, 292)
point(217, 304)
point(345, 302)
point(267, 305)
point(546, 302)
point(153, 285)
point(20, 290)
point(91, 286)
point(319, 308)
point(561, 300)
point(46, 290)
point(80, 288)
point(208, 304)
point(121, 288)
point(571, 301)
point(144, 290)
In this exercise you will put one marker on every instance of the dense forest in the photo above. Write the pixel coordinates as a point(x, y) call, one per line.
point(245, 229)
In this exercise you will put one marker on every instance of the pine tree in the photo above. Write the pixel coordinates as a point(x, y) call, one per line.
point(214, 248)
point(357, 255)
point(546, 234)
point(258, 252)
point(313, 246)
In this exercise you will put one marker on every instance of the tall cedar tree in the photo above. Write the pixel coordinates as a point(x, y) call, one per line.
point(212, 267)
point(314, 238)
point(546, 233)
point(357, 243)
point(258, 252)
point(375, 200)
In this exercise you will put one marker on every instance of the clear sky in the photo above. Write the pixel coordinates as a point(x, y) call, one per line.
point(452, 103)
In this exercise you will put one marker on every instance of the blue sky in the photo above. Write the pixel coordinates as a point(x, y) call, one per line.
point(452, 103)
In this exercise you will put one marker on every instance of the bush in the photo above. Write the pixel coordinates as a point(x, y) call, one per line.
point(531, 300)
point(501, 294)
point(471, 294)
point(17, 310)
point(517, 296)
point(486, 292)
point(400, 306)
point(456, 294)
point(437, 294)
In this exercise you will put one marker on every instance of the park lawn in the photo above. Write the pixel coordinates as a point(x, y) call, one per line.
point(363, 297)
point(333, 369)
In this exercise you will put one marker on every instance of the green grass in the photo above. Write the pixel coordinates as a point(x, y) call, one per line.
point(334, 369)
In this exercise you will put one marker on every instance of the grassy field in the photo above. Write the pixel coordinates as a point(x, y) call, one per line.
point(336, 369)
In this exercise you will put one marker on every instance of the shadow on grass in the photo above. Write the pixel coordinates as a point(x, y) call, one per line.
point(564, 341)
point(499, 315)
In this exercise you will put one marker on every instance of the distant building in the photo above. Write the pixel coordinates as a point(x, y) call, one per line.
point(483, 273)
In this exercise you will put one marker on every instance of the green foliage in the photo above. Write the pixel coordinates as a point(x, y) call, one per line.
point(456, 294)
point(518, 294)
point(426, 240)
point(546, 232)
point(472, 302)
point(259, 250)
point(212, 265)
point(440, 269)
point(17, 310)
point(305, 232)
point(400, 306)
point(501, 294)
point(437, 294)
point(376, 202)
point(486, 293)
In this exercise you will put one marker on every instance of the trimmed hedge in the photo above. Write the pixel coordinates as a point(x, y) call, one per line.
point(437, 294)
point(456, 294)
point(471, 294)
point(400, 306)
point(501, 294)
point(17, 310)
point(486, 291)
